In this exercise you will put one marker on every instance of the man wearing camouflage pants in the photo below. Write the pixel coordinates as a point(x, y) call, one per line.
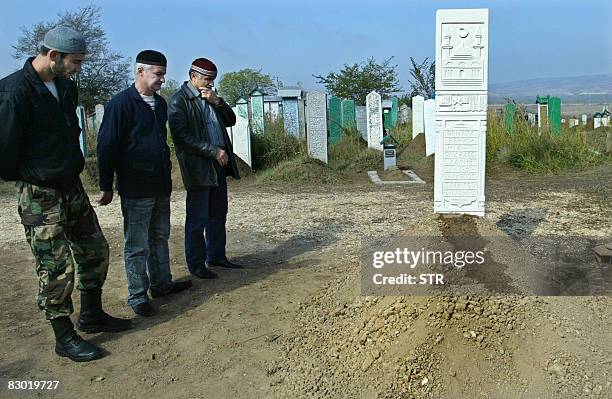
point(39, 143)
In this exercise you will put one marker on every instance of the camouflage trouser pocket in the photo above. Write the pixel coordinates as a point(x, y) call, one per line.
point(38, 205)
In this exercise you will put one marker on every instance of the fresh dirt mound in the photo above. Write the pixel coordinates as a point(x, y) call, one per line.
point(392, 175)
point(414, 148)
point(300, 170)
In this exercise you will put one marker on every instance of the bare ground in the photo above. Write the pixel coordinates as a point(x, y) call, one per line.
point(293, 323)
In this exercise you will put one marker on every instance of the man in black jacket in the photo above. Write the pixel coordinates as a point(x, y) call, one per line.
point(132, 143)
point(39, 148)
point(198, 118)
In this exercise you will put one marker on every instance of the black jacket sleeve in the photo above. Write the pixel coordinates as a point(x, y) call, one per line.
point(226, 113)
point(183, 138)
point(11, 134)
point(109, 143)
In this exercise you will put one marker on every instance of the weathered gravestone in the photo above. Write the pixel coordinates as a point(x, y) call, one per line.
point(302, 116)
point(554, 113)
point(257, 111)
point(98, 116)
point(374, 120)
point(394, 111)
point(584, 119)
point(290, 115)
point(417, 116)
point(404, 113)
point(80, 111)
point(509, 116)
point(461, 110)
point(316, 125)
point(362, 121)
point(241, 135)
point(334, 120)
point(348, 114)
point(429, 116)
point(531, 118)
point(596, 123)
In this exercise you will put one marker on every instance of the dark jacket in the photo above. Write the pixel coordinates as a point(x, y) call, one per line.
point(39, 136)
point(132, 143)
point(195, 153)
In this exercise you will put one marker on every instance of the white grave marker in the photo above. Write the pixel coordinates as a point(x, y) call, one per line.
point(584, 119)
point(418, 125)
point(316, 125)
point(429, 115)
point(374, 120)
point(461, 110)
point(361, 121)
point(241, 135)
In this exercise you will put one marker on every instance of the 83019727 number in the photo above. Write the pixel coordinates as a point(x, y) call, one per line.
point(31, 385)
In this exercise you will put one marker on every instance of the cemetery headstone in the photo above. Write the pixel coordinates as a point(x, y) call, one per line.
point(316, 116)
point(531, 118)
point(429, 116)
point(80, 111)
point(404, 113)
point(99, 115)
point(348, 114)
point(509, 116)
point(596, 123)
point(290, 115)
point(584, 119)
point(417, 116)
point(302, 116)
point(374, 120)
point(554, 113)
point(334, 121)
point(257, 112)
point(241, 135)
point(394, 111)
point(461, 110)
point(361, 120)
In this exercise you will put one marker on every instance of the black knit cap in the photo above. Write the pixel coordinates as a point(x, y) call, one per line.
point(151, 57)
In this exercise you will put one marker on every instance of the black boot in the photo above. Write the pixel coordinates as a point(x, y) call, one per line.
point(69, 344)
point(93, 319)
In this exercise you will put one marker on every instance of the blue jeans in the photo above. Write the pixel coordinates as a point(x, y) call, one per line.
point(206, 213)
point(146, 229)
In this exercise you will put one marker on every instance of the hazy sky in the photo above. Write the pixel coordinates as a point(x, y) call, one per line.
point(293, 40)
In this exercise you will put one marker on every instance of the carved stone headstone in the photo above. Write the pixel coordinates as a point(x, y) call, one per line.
point(362, 122)
point(404, 113)
point(316, 115)
point(257, 112)
point(584, 119)
point(334, 121)
point(302, 116)
point(531, 118)
point(80, 111)
point(290, 115)
point(429, 115)
point(417, 115)
point(241, 135)
point(374, 120)
point(461, 110)
point(596, 123)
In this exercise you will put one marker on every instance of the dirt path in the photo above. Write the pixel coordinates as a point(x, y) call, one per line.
point(291, 324)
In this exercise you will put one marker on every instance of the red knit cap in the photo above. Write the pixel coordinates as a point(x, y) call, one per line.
point(205, 67)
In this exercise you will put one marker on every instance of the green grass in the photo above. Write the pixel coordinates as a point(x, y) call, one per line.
point(275, 145)
point(539, 150)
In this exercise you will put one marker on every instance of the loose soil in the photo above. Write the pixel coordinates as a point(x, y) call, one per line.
point(293, 322)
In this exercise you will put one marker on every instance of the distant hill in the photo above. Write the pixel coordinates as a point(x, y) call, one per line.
point(571, 89)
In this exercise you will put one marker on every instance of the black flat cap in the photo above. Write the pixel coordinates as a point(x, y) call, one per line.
point(151, 57)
